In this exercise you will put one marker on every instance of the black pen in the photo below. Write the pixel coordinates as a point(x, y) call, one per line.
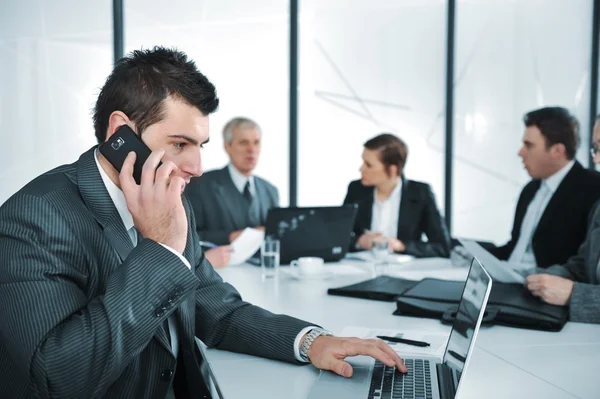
point(404, 341)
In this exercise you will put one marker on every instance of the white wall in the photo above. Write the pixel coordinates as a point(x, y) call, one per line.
point(55, 56)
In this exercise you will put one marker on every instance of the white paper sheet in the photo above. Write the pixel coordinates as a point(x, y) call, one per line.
point(346, 269)
point(454, 274)
point(437, 340)
point(246, 245)
point(367, 256)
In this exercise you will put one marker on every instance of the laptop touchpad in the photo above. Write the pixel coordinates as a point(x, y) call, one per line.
point(330, 384)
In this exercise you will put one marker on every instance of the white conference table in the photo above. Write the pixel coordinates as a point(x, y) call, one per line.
point(507, 362)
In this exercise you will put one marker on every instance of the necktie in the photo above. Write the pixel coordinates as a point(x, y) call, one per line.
point(247, 194)
point(530, 222)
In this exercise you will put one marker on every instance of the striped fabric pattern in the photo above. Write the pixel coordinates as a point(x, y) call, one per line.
point(82, 312)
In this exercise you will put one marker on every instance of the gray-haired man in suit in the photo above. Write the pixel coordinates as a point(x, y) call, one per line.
point(226, 201)
point(103, 285)
point(576, 283)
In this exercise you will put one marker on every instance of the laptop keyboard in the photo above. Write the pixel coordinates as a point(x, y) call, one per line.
point(389, 383)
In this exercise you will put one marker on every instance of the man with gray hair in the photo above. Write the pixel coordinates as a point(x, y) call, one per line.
point(228, 200)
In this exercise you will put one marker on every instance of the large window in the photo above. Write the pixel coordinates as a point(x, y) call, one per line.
point(511, 57)
point(52, 66)
point(368, 67)
point(242, 47)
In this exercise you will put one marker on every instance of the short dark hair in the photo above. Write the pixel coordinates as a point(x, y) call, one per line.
point(392, 150)
point(143, 79)
point(557, 125)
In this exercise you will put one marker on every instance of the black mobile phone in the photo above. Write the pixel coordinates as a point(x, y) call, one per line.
point(121, 143)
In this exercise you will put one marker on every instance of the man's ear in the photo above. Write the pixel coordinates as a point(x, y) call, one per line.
point(116, 120)
point(559, 150)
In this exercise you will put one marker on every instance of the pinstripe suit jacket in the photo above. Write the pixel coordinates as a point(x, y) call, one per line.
point(584, 305)
point(82, 312)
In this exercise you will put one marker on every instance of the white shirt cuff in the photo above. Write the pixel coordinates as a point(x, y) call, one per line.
point(184, 260)
point(297, 342)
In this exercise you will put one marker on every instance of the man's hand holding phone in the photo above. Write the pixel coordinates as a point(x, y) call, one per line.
point(155, 204)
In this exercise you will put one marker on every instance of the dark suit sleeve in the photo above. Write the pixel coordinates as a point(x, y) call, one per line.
point(69, 343)
point(432, 224)
point(225, 321)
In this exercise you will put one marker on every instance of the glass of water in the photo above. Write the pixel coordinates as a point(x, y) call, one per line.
point(380, 251)
point(269, 257)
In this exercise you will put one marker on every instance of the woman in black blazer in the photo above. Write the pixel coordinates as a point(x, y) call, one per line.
point(403, 210)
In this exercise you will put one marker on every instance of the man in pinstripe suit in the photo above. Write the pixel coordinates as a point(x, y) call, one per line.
point(103, 285)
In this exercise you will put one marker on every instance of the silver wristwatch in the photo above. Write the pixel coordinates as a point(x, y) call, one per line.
point(308, 340)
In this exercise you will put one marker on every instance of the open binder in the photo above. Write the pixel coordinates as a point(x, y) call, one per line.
point(509, 304)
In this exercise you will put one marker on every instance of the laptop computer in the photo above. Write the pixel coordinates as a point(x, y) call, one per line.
point(503, 273)
point(427, 377)
point(324, 232)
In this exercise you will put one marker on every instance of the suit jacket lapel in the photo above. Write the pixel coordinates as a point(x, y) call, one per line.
point(262, 197)
point(366, 211)
point(96, 198)
point(227, 191)
point(407, 210)
point(558, 198)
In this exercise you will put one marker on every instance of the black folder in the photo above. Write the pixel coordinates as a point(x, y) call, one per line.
point(381, 288)
point(509, 304)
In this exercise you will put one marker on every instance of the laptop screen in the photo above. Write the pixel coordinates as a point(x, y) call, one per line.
point(467, 321)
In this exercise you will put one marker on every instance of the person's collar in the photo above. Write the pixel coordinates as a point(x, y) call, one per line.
point(116, 195)
point(395, 192)
point(239, 179)
point(554, 181)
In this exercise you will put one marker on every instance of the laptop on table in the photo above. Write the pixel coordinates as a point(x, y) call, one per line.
point(324, 232)
point(427, 377)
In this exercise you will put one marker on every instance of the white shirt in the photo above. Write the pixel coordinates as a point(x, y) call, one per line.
point(240, 180)
point(523, 251)
point(386, 213)
point(118, 198)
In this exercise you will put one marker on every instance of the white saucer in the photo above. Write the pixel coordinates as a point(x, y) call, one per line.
point(294, 273)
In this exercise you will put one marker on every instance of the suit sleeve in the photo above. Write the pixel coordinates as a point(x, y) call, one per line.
point(225, 321)
point(67, 341)
point(432, 224)
point(584, 306)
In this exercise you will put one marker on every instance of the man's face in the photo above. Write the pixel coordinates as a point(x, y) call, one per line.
point(181, 134)
point(244, 149)
point(537, 159)
point(596, 142)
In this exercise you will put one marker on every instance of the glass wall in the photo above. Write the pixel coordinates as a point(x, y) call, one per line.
point(242, 47)
point(512, 56)
point(55, 57)
point(368, 67)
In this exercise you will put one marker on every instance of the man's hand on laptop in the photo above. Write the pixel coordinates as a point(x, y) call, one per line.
point(328, 353)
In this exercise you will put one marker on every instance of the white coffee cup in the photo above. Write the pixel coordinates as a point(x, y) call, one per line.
point(308, 265)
